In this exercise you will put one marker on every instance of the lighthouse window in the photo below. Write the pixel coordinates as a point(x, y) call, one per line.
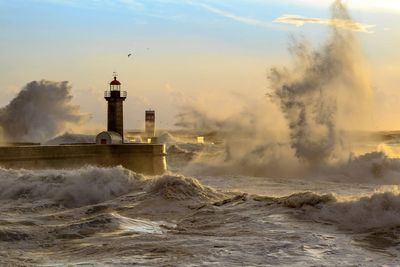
point(115, 87)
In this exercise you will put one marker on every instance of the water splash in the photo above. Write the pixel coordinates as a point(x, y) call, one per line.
point(40, 111)
point(327, 91)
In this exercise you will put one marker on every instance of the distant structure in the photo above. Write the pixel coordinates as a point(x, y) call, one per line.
point(115, 116)
point(150, 123)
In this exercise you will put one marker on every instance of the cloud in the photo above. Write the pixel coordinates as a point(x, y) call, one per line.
point(229, 15)
point(341, 23)
point(371, 6)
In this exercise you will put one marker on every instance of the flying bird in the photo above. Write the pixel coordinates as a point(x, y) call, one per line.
point(129, 55)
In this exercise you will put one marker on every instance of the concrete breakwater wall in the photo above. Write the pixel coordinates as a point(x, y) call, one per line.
point(141, 158)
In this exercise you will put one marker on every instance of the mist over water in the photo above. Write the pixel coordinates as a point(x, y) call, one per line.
point(41, 110)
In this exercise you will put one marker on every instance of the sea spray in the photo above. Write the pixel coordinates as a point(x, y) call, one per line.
point(302, 127)
point(326, 92)
point(254, 134)
point(41, 110)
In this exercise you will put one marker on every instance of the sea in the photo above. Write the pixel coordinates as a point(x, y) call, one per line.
point(346, 214)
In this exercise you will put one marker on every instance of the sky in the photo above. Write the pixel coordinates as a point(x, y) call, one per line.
point(182, 49)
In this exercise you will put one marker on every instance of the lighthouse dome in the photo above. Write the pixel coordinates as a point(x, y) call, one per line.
point(115, 82)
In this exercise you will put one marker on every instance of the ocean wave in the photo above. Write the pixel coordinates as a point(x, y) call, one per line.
point(305, 199)
point(178, 187)
point(12, 235)
point(92, 185)
point(104, 223)
point(142, 226)
point(380, 210)
point(71, 188)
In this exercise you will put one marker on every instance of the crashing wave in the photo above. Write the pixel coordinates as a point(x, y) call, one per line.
point(178, 187)
point(381, 210)
point(92, 185)
point(71, 188)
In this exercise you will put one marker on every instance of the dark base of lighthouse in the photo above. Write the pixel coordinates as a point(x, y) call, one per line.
point(141, 158)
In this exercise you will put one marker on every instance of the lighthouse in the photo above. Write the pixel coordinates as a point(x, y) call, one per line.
point(115, 114)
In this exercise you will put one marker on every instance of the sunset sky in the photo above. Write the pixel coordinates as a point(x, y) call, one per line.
point(182, 49)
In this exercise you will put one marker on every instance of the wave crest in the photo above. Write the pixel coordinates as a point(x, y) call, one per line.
point(178, 187)
point(71, 188)
point(306, 198)
point(92, 185)
point(380, 210)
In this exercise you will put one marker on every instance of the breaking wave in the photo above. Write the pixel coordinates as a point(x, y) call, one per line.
point(181, 188)
point(378, 211)
point(381, 210)
point(92, 185)
point(71, 188)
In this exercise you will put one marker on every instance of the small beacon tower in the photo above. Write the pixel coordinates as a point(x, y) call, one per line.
point(115, 116)
point(150, 123)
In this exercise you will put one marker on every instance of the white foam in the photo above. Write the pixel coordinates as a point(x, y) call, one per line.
point(140, 225)
point(92, 185)
point(380, 210)
point(78, 187)
point(178, 187)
